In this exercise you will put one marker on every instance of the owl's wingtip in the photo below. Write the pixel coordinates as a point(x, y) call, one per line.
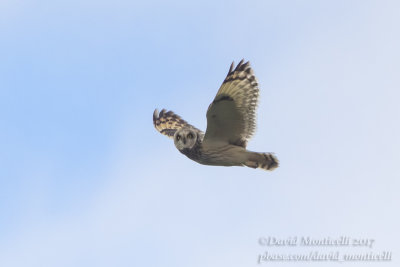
point(231, 67)
point(155, 115)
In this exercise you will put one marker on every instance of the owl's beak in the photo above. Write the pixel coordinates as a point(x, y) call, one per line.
point(184, 141)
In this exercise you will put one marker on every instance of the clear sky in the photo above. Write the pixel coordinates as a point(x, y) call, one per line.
point(85, 179)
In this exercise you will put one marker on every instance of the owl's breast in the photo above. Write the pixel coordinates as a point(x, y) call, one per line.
point(193, 153)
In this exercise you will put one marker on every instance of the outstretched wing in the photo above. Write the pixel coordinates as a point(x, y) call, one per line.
point(231, 117)
point(168, 123)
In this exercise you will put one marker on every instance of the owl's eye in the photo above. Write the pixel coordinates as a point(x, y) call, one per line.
point(190, 136)
point(178, 137)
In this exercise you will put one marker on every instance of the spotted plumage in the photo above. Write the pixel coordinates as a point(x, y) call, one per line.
point(231, 122)
point(168, 123)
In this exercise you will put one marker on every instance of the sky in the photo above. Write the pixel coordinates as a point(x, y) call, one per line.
point(86, 180)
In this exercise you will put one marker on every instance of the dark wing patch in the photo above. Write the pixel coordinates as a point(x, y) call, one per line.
point(222, 98)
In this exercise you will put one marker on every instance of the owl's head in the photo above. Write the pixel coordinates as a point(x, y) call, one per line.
point(185, 138)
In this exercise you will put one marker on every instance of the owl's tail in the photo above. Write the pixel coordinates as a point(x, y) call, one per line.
point(265, 161)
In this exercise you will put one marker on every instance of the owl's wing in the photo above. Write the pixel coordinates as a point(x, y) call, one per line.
point(231, 117)
point(168, 123)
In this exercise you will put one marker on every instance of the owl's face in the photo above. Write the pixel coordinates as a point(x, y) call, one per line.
point(185, 138)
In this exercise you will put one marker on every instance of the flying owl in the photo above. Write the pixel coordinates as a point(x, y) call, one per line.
point(231, 122)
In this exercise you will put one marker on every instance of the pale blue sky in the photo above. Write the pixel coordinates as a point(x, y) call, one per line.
point(85, 180)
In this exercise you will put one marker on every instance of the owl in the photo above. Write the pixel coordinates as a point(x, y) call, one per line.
point(231, 122)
